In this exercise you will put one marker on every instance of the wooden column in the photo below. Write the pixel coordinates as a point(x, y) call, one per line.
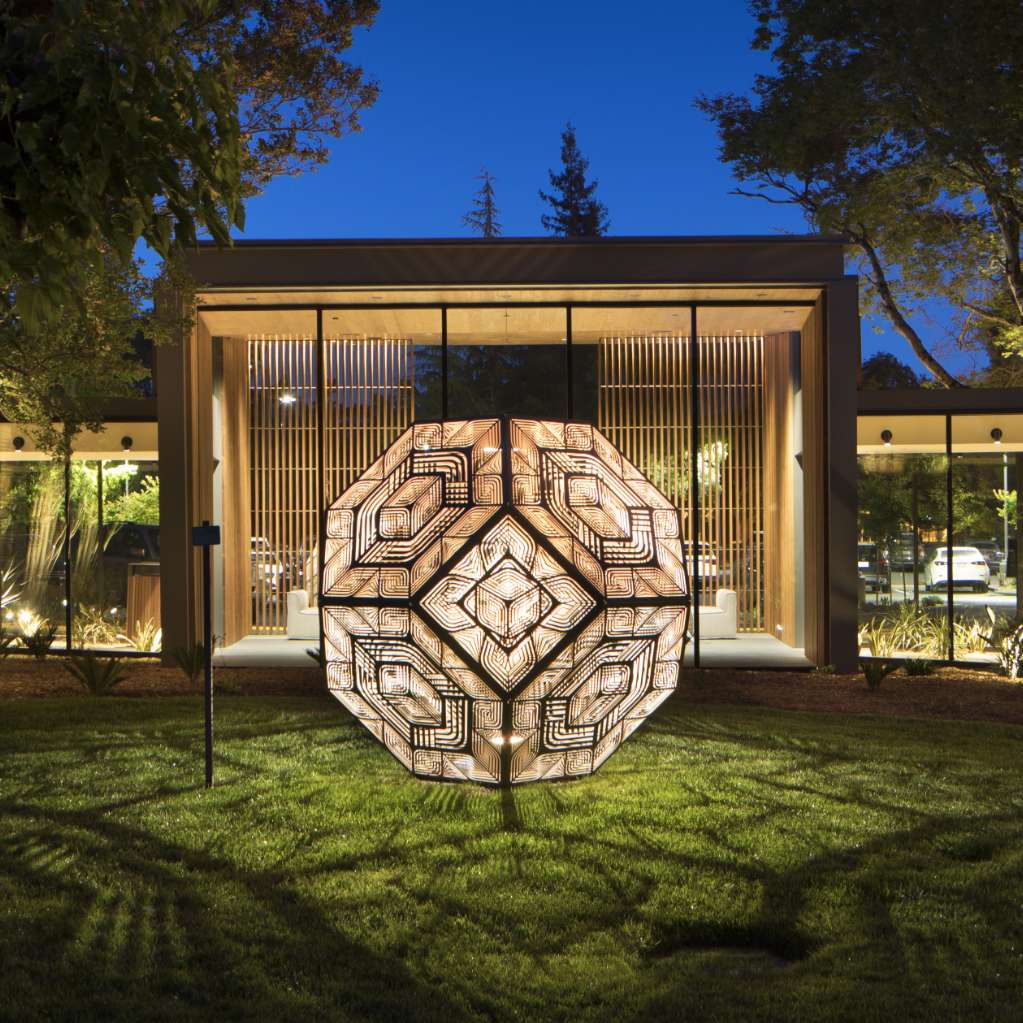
point(813, 374)
point(782, 559)
point(237, 528)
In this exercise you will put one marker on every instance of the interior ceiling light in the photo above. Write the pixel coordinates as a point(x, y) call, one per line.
point(996, 435)
point(127, 443)
point(886, 438)
point(503, 600)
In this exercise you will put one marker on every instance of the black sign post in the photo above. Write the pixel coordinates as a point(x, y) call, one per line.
point(207, 536)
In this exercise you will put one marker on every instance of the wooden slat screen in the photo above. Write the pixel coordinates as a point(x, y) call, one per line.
point(284, 510)
point(368, 386)
point(643, 407)
point(369, 392)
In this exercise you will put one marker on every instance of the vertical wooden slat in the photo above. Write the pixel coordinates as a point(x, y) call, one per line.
point(642, 405)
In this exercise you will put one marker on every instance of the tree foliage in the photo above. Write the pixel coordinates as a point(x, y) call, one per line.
point(57, 379)
point(897, 123)
point(295, 90)
point(884, 371)
point(128, 121)
point(575, 211)
point(482, 217)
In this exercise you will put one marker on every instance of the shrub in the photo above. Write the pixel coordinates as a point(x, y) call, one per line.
point(875, 672)
point(1010, 653)
point(90, 628)
point(98, 675)
point(878, 637)
point(7, 644)
point(191, 660)
point(918, 666)
point(147, 639)
point(39, 641)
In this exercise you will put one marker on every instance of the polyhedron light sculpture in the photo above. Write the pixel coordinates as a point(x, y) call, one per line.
point(503, 600)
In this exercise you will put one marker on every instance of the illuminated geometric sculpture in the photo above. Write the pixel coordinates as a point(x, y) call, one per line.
point(503, 600)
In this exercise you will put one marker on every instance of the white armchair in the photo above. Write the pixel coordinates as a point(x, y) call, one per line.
point(719, 620)
point(303, 620)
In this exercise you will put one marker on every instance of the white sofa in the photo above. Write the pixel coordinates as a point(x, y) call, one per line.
point(718, 621)
point(303, 620)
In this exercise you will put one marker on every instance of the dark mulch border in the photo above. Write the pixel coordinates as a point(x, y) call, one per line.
point(957, 694)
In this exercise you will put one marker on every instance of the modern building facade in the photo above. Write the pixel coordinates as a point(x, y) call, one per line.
point(724, 367)
point(818, 517)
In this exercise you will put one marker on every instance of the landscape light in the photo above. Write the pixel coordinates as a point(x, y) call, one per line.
point(287, 399)
point(503, 600)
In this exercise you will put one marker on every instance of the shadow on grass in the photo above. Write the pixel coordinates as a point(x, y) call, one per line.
point(183, 933)
point(156, 922)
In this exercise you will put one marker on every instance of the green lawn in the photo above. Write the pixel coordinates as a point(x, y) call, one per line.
point(725, 864)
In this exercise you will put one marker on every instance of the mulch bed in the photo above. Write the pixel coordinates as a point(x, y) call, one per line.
point(24, 678)
point(950, 693)
point(956, 694)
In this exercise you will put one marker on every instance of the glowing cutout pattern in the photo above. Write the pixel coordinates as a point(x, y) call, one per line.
point(503, 600)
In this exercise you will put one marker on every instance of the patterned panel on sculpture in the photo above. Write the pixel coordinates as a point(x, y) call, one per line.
point(503, 635)
point(578, 490)
point(397, 678)
point(388, 532)
point(507, 602)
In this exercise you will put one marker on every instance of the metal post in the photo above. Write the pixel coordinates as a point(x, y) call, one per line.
point(67, 549)
point(570, 384)
point(694, 479)
point(949, 569)
point(444, 362)
point(1005, 519)
point(207, 644)
point(206, 536)
point(321, 467)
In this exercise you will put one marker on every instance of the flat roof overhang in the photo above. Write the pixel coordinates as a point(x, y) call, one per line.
point(262, 287)
point(439, 262)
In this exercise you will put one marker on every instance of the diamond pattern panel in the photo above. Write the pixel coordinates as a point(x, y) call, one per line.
point(503, 601)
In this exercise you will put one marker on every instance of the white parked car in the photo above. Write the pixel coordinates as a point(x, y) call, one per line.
point(969, 568)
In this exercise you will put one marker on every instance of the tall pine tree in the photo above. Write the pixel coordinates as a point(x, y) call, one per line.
point(483, 215)
point(575, 213)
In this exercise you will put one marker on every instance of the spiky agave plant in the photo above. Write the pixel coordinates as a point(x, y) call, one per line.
point(191, 660)
point(875, 672)
point(98, 675)
point(1010, 655)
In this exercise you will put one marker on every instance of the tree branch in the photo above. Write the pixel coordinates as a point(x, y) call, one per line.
point(987, 314)
point(899, 322)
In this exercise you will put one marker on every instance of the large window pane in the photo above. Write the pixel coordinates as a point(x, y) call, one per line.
point(507, 361)
point(987, 451)
point(31, 538)
point(903, 608)
point(115, 569)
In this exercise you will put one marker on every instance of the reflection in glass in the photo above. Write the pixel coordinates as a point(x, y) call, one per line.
point(507, 361)
point(902, 516)
point(984, 528)
point(31, 540)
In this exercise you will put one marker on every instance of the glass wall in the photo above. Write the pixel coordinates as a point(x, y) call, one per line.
point(627, 368)
point(507, 361)
point(902, 507)
point(107, 581)
point(986, 454)
point(923, 480)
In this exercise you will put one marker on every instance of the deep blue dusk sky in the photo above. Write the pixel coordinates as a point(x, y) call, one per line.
point(468, 84)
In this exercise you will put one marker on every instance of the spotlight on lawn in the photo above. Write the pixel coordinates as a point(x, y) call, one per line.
point(503, 600)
